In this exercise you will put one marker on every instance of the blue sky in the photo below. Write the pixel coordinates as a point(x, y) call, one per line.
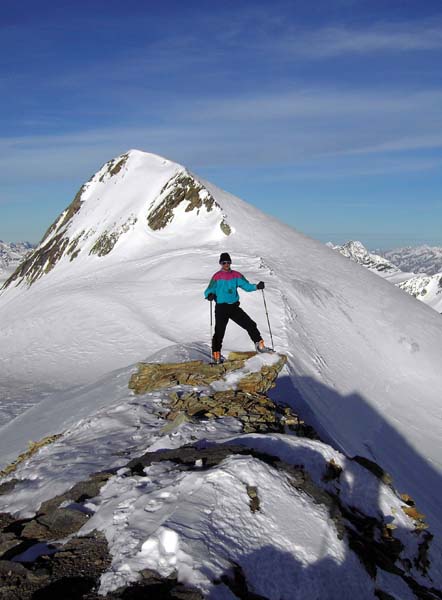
point(326, 114)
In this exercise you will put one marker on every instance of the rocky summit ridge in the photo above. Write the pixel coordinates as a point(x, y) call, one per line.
point(69, 546)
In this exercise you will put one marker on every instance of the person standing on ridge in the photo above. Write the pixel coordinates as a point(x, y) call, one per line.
point(223, 288)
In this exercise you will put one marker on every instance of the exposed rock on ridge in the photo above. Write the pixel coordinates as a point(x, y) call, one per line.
point(154, 376)
point(247, 402)
point(181, 189)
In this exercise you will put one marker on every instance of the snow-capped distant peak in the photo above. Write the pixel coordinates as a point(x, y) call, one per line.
point(357, 252)
point(135, 199)
point(427, 288)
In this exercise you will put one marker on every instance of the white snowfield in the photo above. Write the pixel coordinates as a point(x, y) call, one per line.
point(363, 369)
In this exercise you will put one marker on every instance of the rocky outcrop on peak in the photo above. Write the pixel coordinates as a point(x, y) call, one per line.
point(113, 167)
point(185, 190)
point(49, 251)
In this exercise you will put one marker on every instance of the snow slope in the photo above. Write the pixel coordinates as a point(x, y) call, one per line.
point(364, 358)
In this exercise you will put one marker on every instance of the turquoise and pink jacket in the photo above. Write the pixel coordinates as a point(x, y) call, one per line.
point(225, 284)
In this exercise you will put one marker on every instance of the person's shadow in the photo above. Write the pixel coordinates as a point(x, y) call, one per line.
point(377, 440)
point(376, 563)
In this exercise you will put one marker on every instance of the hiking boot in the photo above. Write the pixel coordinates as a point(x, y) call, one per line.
point(216, 358)
point(261, 347)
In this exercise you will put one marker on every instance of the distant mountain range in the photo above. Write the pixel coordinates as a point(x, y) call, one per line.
point(419, 259)
point(425, 286)
point(11, 256)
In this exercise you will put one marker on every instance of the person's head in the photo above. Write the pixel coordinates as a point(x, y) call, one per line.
point(225, 261)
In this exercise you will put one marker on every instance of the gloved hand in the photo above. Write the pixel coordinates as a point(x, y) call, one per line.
point(211, 297)
point(260, 285)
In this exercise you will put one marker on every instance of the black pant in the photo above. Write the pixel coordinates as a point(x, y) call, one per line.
point(224, 312)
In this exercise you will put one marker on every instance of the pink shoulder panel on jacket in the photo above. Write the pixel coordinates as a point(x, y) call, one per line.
point(227, 275)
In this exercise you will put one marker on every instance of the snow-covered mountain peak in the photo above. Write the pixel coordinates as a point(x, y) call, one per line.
point(357, 252)
point(133, 202)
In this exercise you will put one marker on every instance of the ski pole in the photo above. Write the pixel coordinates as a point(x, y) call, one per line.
point(211, 323)
point(268, 321)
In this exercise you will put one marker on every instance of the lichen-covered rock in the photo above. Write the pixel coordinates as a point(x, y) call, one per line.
point(247, 402)
point(155, 376)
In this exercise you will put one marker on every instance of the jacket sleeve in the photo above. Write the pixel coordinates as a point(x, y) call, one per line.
point(245, 285)
point(211, 288)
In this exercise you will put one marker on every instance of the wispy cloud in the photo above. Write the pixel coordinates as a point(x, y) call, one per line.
point(329, 42)
point(277, 129)
point(321, 102)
